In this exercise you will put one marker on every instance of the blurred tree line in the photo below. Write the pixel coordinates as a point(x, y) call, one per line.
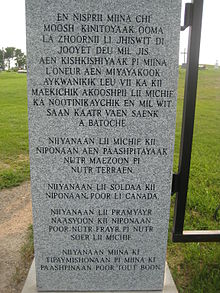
point(11, 53)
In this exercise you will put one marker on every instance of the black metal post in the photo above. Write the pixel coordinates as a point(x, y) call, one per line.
point(188, 116)
point(193, 18)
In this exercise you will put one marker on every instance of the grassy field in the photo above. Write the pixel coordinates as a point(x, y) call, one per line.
point(195, 266)
point(14, 160)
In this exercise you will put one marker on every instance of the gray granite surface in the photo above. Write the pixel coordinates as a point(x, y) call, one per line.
point(169, 285)
point(102, 88)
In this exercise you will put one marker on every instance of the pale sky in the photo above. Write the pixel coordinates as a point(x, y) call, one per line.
point(12, 29)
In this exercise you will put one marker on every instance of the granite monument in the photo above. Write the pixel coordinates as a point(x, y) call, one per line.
point(102, 89)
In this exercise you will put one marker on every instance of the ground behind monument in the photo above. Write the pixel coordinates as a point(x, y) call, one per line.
point(16, 245)
point(195, 266)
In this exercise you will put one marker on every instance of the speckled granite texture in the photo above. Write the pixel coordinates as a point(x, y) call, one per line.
point(169, 285)
point(102, 89)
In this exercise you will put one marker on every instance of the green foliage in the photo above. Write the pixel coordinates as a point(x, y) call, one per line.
point(1, 59)
point(20, 58)
point(9, 54)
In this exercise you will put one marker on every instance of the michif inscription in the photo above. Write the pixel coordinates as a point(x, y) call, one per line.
point(102, 87)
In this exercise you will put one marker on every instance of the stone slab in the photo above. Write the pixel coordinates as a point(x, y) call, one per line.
point(30, 283)
point(102, 93)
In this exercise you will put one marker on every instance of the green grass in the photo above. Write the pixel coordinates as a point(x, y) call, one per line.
point(195, 266)
point(14, 160)
point(27, 254)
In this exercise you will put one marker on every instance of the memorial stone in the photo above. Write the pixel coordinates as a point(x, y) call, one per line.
point(102, 89)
